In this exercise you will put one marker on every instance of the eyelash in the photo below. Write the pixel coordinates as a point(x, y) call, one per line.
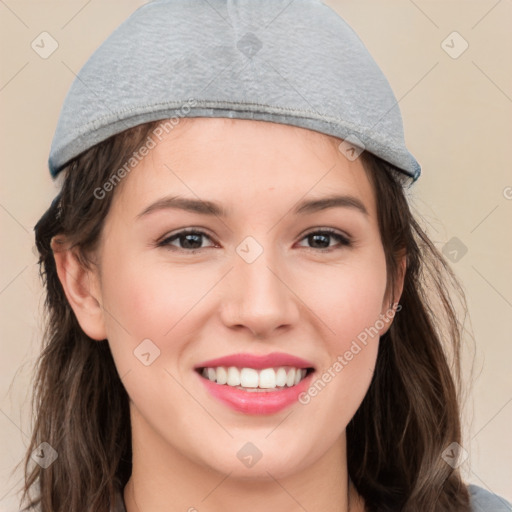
point(343, 240)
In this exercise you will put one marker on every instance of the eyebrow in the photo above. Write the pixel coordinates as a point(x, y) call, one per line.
point(315, 205)
point(204, 207)
point(200, 206)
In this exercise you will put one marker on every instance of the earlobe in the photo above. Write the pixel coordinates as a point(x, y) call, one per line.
point(81, 289)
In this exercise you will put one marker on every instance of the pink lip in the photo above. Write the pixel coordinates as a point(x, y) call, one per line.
point(257, 362)
point(256, 402)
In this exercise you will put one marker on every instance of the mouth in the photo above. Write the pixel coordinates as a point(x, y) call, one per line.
point(256, 383)
point(252, 380)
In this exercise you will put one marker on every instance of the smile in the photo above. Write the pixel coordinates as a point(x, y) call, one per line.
point(251, 379)
point(256, 383)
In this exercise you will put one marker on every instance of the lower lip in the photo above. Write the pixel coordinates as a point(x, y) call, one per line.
point(256, 402)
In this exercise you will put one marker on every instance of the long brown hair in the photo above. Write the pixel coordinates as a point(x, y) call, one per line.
point(411, 412)
point(396, 438)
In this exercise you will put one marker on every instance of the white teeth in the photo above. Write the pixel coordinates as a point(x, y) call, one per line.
point(281, 377)
point(222, 375)
point(249, 378)
point(233, 376)
point(268, 378)
point(290, 380)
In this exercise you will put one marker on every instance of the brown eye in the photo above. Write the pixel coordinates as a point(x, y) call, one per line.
point(188, 240)
point(322, 239)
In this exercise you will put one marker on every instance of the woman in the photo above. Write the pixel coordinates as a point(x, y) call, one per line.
point(236, 287)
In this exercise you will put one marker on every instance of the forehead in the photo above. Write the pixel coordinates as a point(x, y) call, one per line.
point(227, 159)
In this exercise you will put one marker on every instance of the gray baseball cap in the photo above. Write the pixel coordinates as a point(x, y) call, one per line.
point(294, 62)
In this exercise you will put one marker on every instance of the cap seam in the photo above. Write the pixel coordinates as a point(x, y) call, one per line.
point(143, 109)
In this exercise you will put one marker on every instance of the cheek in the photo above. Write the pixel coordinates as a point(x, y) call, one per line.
point(153, 309)
point(149, 300)
point(349, 307)
point(148, 315)
point(349, 299)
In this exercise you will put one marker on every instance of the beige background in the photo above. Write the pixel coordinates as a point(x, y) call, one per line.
point(458, 122)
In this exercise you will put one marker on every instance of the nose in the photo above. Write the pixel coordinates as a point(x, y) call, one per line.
point(258, 297)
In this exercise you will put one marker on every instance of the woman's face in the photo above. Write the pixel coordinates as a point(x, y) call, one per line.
point(258, 276)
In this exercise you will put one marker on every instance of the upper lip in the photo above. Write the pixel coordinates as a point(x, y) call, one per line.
point(271, 360)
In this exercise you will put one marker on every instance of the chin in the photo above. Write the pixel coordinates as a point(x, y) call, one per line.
point(247, 462)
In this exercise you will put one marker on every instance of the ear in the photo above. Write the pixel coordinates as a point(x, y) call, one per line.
point(390, 304)
point(82, 289)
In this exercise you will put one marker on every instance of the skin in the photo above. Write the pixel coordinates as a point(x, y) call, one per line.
point(296, 297)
